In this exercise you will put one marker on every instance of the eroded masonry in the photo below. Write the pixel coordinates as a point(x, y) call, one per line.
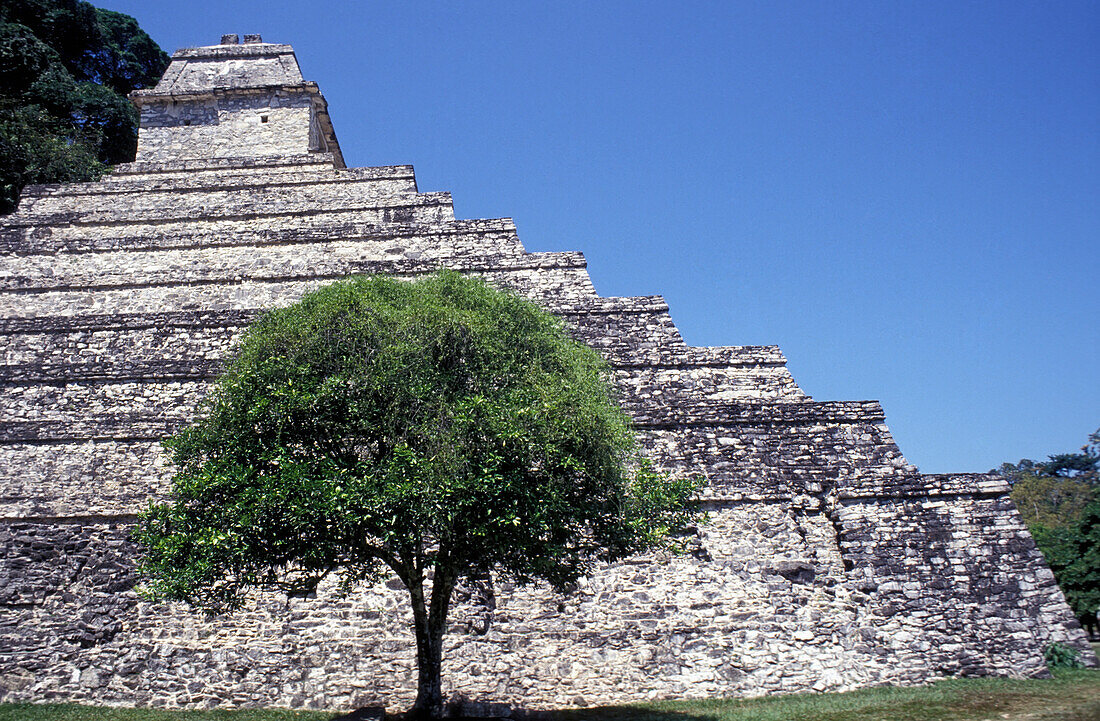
point(829, 562)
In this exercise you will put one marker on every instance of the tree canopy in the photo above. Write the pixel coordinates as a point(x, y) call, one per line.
point(1051, 501)
point(1059, 500)
point(1082, 466)
point(434, 429)
point(65, 70)
point(1073, 552)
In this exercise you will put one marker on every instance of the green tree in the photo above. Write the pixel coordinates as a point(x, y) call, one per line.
point(1083, 466)
point(1051, 501)
point(436, 429)
point(1073, 552)
point(1059, 500)
point(65, 70)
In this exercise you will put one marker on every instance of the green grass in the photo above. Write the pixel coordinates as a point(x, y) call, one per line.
point(1072, 695)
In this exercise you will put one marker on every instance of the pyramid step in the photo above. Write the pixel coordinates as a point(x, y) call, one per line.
point(113, 370)
point(231, 175)
point(172, 401)
point(123, 184)
point(496, 236)
point(755, 463)
point(114, 463)
point(174, 337)
point(637, 384)
point(423, 208)
point(595, 307)
point(627, 335)
point(193, 166)
point(928, 486)
point(113, 347)
point(326, 259)
point(173, 389)
point(105, 207)
point(98, 200)
point(121, 428)
point(540, 277)
point(642, 386)
point(751, 459)
point(707, 412)
point(121, 477)
point(104, 477)
point(156, 414)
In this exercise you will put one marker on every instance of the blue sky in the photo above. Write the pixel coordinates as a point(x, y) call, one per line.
point(904, 196)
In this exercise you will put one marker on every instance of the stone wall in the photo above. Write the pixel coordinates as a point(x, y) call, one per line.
point(828, 561)
point(763, 604)
point(760, 606)
point(271, 122)
point(995, 598)
point(232, 101)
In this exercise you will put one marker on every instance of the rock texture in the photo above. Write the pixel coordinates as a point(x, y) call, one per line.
point(828, 563)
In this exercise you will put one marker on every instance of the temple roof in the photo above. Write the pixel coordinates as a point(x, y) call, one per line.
point(229, 65)
point(212, 101)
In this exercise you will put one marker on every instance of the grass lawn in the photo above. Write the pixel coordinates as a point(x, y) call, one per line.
point(1072, 695)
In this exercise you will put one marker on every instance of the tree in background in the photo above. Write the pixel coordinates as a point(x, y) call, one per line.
point(1083, 466)
point(436, 429)
point(65, 70)
point(1059, 500)
point(1073, 552)
point(1051, 501)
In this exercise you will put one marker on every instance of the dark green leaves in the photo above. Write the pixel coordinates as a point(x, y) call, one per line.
point(65, 70)
point(1059, 500)
point(1073, 552)
point(430, 424)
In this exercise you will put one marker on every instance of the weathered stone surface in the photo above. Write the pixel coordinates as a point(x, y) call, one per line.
point(232, 101)
point(828, 562)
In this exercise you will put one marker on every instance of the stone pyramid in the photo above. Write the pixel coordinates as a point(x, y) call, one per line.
point(828, 563)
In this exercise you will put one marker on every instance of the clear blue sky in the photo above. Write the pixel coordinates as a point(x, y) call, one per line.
point(904, 196)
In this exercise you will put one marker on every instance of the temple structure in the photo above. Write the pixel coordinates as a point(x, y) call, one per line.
point(828, 562)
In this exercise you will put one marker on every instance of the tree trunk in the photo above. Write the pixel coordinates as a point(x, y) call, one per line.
point(430, 623)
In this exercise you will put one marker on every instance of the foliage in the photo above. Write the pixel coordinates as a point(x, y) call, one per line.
point(1058, 655)
point(1083, 466)
point(437, 429)
point(1051, 501)
point(65, 70)
point(1059, 500)
point(1073, 553)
